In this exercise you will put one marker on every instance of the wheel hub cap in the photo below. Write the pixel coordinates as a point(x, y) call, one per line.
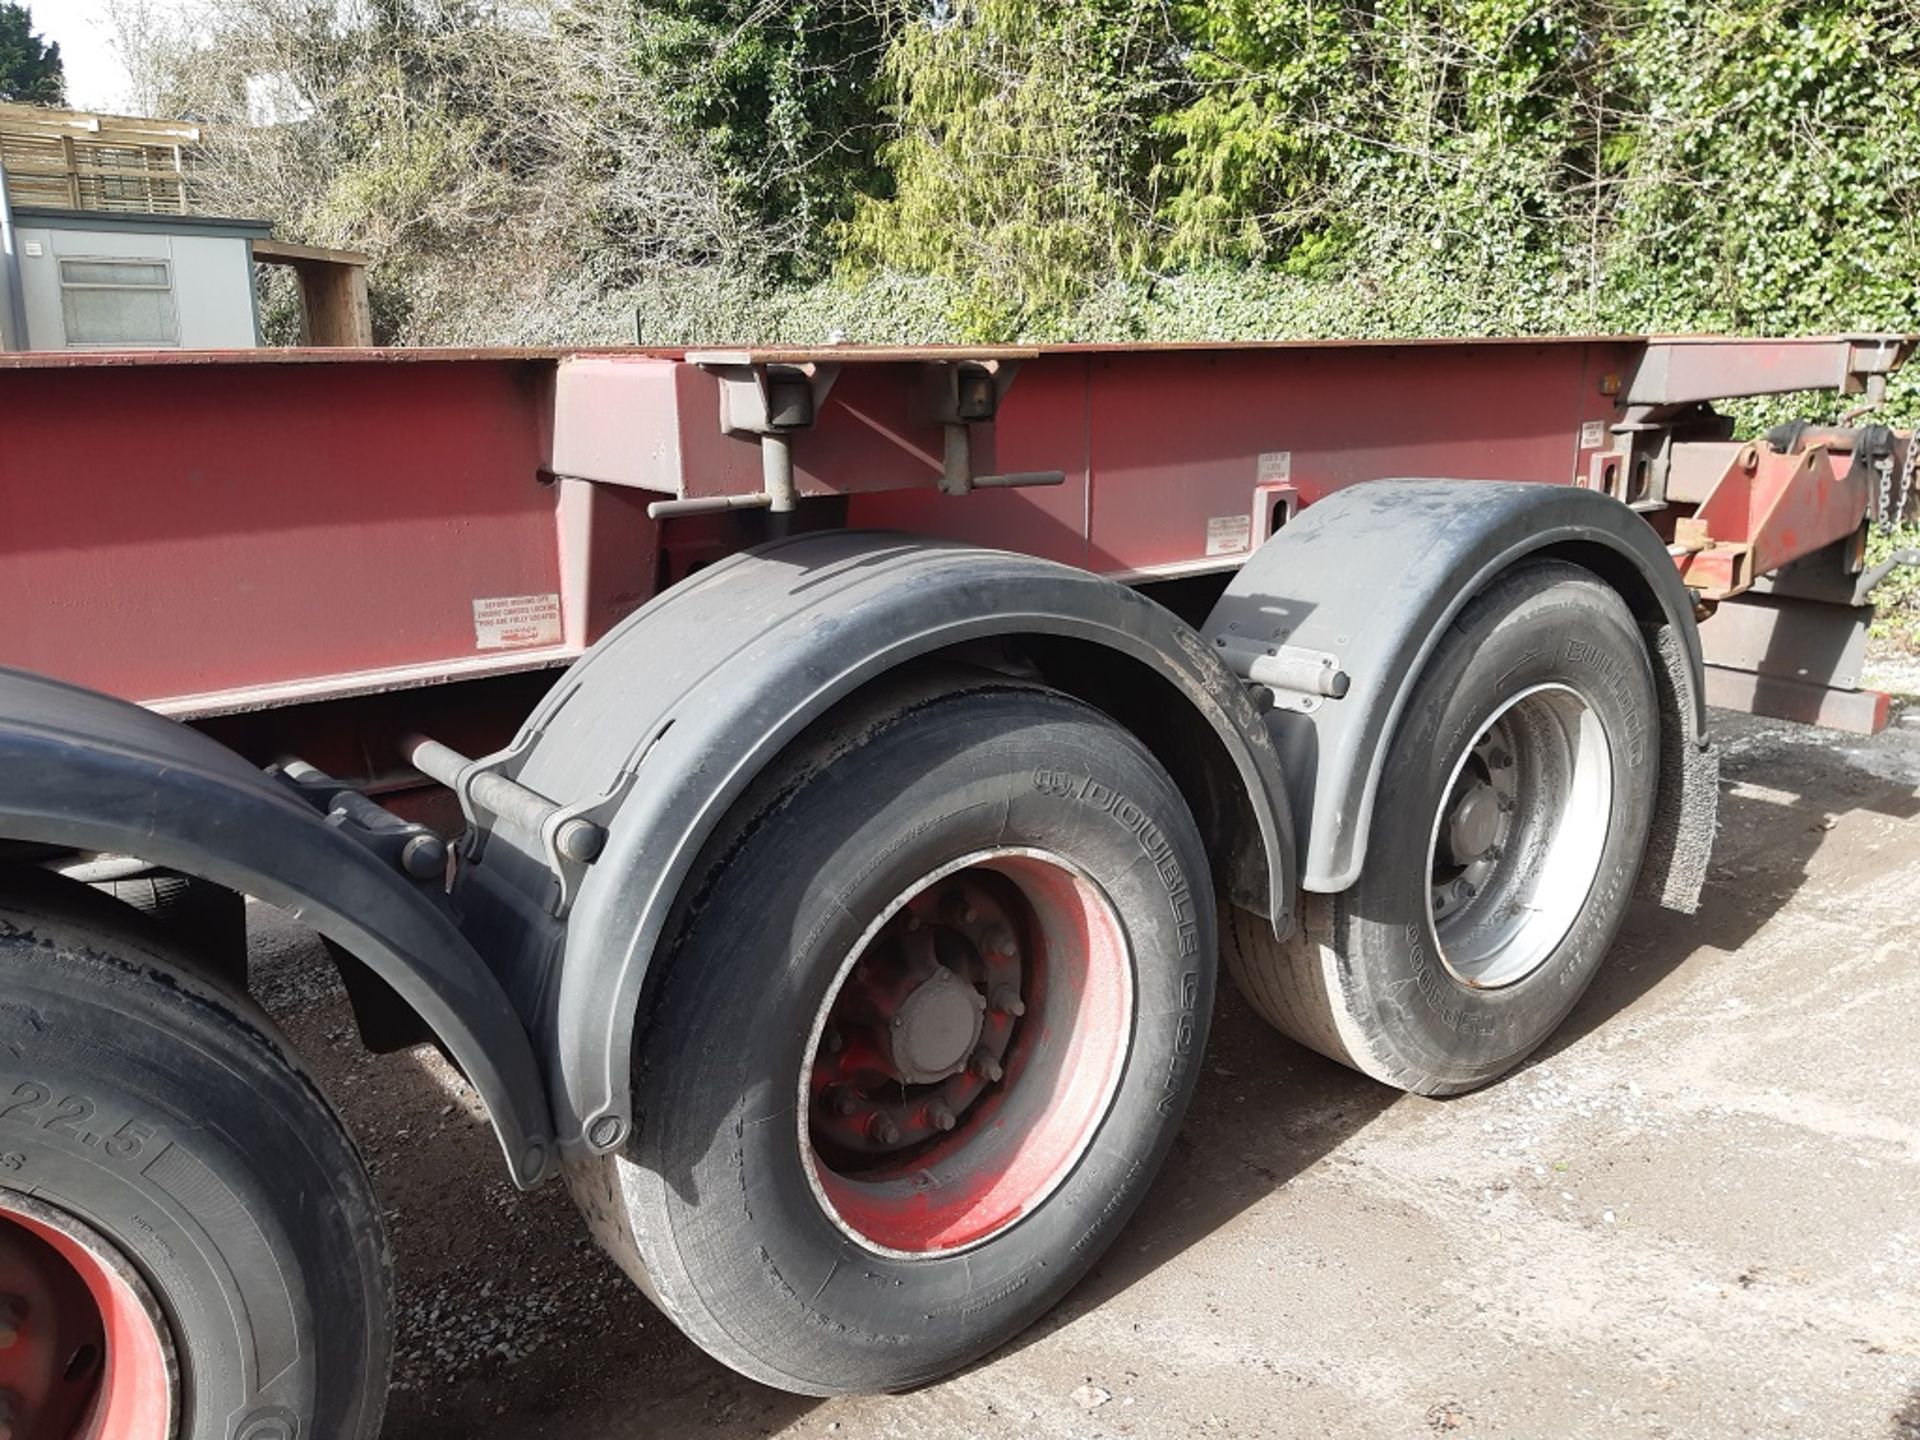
point(967, 1054)
point(936, 1028)
point(1519, 836)
point(921, 1027)
point(1474, 824)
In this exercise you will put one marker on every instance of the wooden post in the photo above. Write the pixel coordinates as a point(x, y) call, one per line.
point(71, 159)
point(333, 291)
point(335, 299)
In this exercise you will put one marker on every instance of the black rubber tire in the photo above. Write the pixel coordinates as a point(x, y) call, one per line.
point(165, 1112)
point(710, 1207)
point(1360, 979)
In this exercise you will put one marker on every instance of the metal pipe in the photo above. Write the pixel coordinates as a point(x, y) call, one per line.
point(422, 853)
point(436, 761)
point(1844, 438)
point(1019, 479)
point(577, 839)
point(1285, 667)
point(1302, 672)
point(1870, 580)
point(776, 472)
point(956, 471)
point(708, 505)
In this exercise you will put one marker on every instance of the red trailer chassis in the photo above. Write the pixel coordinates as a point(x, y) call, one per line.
point(756, 564)
point(217, 533)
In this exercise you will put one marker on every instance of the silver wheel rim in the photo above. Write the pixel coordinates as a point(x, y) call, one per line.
point(1517, 841)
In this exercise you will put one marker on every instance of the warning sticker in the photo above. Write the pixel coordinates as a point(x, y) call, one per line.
point(1593, 434)
point(1227, 534)
point(505, 622)
point(1275, 465)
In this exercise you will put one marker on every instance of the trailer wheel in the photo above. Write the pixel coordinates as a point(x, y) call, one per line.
point(1508, 830)
point(928, 1026)
point(189, 1247)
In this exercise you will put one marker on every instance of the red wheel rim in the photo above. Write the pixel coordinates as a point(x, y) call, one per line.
point(87, 1356)
point(966, 1054)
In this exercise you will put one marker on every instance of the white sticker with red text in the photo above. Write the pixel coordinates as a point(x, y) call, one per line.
point(507, 622)
point(1229, 534)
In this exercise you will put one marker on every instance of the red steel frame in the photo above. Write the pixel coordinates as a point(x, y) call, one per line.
point(1766, 509)
point(228, 532)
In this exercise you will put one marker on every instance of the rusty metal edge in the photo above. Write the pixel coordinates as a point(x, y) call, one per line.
point(844, 354)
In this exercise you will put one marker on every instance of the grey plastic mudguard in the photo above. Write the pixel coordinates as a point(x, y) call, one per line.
point(85, 771)
point(1373, 574)
point(692, 695)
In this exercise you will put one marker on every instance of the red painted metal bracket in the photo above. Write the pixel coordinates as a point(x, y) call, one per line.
point(1768, 508)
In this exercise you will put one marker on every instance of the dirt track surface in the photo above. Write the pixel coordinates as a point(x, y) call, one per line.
point(1695, 1214)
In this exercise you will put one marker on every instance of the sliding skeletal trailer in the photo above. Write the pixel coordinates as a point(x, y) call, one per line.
point(872, 751)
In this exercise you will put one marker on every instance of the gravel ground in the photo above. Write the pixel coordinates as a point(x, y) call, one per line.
point(1696, 1213)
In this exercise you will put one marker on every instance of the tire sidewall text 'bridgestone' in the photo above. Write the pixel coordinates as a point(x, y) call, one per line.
point(715, 1202)
point(164, 1113)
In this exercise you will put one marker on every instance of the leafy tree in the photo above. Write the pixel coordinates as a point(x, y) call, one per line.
point(30, 68)
point(1023, 161)
point(1465, 165)
point(1099, 169)
point(506, 164)
point(1775, 183)
point(782, 96)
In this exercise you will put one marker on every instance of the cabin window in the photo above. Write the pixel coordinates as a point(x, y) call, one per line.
point(118, 302)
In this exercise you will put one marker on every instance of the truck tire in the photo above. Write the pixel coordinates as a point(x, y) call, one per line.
point(1512, 813)
point(929, 1022)
point(188, 1241)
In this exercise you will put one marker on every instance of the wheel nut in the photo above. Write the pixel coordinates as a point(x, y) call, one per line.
point(1007, 1001)
point(987, 1066)
point(832, 1040)
point(845, 1103)
point(13, 1310)
point(883, 1131)
point(941, 1116)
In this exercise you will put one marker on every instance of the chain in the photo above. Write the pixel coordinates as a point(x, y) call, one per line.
point(1899, 512)
point(1892, 506)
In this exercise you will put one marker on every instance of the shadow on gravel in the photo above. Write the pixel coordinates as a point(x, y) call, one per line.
point(1906, 1420)
point(1264, 1111)
point(1779, 794)
point(1267, 1109)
